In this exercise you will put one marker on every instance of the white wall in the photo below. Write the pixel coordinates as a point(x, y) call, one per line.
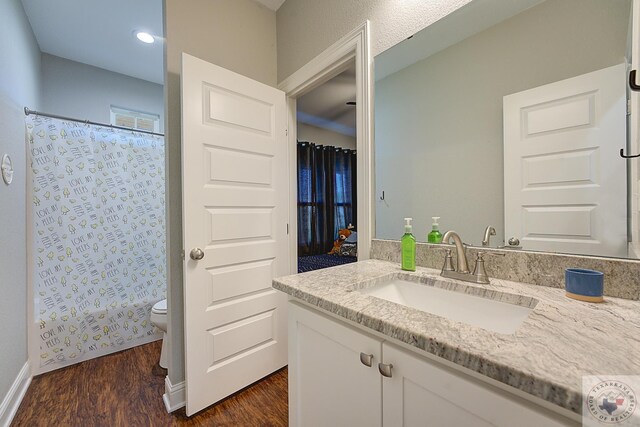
point(239, 35)
point(307, 27)
point(322, 136)
point(427, 126)
point(19, 87)
point(85, 92)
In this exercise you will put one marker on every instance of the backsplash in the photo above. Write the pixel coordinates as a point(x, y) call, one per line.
point(621, 276)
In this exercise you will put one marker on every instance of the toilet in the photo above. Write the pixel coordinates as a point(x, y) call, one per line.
point(159, 320)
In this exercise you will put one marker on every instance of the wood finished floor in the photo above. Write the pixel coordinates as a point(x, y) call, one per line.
point(125, 389)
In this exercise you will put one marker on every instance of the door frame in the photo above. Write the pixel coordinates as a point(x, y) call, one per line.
point(334, 60)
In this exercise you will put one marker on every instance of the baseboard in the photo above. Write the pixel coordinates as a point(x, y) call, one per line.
point(174, 395)
point(12, 400)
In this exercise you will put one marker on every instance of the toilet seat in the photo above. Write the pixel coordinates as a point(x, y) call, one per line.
point(160, 307)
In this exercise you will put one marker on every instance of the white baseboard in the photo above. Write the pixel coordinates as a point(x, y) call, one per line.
point(12, 400)
point(174, 395)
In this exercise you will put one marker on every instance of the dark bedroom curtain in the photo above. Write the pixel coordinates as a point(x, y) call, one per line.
point(326, 195)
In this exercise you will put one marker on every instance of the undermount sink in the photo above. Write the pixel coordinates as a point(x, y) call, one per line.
point(492, 310)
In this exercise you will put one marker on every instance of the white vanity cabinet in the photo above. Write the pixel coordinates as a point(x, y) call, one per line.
point(421, 392)
point(329, 385)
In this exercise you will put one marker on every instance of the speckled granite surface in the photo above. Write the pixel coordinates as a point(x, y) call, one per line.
point(622, 276)
point(559, 342)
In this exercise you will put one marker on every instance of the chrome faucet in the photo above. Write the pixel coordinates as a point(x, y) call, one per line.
point(479, 274)
point(460, 252)
point(488, 232)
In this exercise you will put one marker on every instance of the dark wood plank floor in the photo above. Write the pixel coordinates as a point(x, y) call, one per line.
point(125, 389)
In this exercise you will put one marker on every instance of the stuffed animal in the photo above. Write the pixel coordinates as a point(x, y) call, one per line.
point(342, 236)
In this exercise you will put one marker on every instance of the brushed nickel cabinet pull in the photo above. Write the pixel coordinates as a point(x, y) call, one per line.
point(385, 369)
point(366, 359)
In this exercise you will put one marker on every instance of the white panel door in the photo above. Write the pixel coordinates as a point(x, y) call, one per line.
point(565, 183)
point(328, 383)
point(235, 199)
point(421, 393)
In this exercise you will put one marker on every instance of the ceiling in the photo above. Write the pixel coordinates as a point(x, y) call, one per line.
point(100, 33)
point(272, 4)
point(325, 106)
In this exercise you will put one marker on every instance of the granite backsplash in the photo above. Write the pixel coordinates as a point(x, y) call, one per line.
point(621, 276)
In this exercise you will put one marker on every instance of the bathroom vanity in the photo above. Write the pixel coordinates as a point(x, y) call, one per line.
point(471, 114)
point(364, 352)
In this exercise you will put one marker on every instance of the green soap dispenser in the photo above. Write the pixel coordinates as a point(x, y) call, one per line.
point(408, 243)
point(434, 236)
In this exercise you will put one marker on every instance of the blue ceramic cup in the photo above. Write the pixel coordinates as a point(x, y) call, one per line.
point(584, 285)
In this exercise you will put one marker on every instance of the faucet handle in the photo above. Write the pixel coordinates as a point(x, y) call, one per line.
point(448, 261)
point(479, 271)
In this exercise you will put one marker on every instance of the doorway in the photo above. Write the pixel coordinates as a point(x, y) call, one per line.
point(326, 174)
point(353, 50)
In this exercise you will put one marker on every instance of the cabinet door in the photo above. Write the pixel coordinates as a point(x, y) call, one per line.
point(328, 384)
point(426, 394)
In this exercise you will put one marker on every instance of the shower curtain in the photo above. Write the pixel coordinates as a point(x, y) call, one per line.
point(98, 238)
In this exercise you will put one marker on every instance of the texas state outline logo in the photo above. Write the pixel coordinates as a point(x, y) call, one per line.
point(611, 401)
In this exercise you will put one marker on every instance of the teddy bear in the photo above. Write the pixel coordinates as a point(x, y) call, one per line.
point(342, 236)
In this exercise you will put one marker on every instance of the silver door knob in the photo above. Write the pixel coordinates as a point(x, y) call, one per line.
point(196, 254)
point(514, 241)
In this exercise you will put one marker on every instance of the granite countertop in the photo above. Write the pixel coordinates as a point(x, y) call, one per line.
point(560, 341)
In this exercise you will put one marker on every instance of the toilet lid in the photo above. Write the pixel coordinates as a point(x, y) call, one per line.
point(160, 307)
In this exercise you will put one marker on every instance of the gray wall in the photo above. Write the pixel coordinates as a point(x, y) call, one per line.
point(239, 35)
point(322, 136)
point(19, 87)
point(308, 27)
point(445, 112)
point(81, 91)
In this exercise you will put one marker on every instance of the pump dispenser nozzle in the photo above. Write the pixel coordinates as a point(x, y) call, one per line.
point(407, 225)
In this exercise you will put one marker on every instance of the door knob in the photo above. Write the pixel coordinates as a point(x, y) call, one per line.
point(514, 241)
point(196, 254)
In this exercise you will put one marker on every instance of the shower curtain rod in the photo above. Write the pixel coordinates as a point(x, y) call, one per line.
point(27, 112)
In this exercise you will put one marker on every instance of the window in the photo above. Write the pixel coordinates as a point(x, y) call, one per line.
point(135, 119)
point(326, 195)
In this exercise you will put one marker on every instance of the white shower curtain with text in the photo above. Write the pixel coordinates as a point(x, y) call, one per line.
point(98, 230)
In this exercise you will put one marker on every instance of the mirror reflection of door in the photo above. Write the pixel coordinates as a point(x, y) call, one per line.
point(565, 183)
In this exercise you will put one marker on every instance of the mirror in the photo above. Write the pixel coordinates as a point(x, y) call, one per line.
point(509, 114)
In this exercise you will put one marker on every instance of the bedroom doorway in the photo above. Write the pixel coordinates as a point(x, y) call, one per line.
point(326, 164)
point(351, 51)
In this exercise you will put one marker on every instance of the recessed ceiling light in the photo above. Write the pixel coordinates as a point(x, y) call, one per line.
point(145, 37)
